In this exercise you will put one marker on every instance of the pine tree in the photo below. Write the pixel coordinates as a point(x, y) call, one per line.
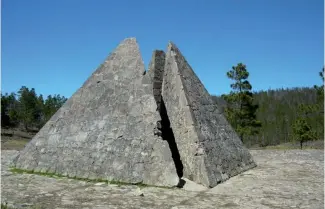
point(303, 131)
point(9, 110)
point(28, 102)
point(281, 106)
point(311, 114)
point(241, 110)
point(52, 104)
point(319, 107)
point(28, 109)
point(39, 112)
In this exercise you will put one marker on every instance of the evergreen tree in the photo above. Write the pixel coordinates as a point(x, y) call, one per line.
point(27, 106)
point(308, 115)
point(28, 109)
point(52, 104)
point(40, 116)
point(5, 120)
point(319, 107)
point(278, 110)
point(241, 110)
point(9, 110)
point(303, 131)
point(13, 109)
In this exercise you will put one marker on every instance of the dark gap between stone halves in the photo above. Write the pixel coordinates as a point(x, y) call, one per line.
point(168, 135)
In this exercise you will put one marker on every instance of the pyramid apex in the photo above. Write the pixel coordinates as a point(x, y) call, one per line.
point(129, 40)
point(172, 46)
point(170, 43)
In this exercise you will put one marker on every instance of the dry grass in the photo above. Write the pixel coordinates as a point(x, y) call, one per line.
point(14, 144)
point(14, 139)
point(318, 144)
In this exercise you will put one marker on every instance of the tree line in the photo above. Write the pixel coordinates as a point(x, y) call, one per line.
point(260, 118)
point(275, 116)
point(28, 110)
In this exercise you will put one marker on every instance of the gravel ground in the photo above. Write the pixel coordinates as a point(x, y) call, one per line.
point(282, 179)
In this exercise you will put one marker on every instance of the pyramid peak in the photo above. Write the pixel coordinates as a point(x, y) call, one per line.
point(130, 39)
point(172, 47)
point(171, 44)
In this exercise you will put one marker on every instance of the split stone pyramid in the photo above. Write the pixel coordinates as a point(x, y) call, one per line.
point(128, 125)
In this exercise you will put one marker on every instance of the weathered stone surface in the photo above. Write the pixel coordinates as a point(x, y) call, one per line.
point(156, 73)
point(282, 179)
point(210, 150)
point(106, 129)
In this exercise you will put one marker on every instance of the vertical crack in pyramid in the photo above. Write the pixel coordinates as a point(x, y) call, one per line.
point(155, 74)
point(106, 129)
point(209, 148)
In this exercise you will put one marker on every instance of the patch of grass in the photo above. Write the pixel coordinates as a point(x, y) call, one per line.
point(5, 206)
point(285, 147)
point(14, 144)
point(55, 175)
point(318, 144)
point(279, 147)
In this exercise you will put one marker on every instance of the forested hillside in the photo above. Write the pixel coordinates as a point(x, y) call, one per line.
point(277, 111)
point(27, 110)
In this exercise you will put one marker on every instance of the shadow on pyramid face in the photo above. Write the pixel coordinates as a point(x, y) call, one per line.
point(168, 135)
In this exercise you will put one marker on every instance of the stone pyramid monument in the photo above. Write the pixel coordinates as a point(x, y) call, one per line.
point(210, 150)
point(106, 129)
point(128, 125)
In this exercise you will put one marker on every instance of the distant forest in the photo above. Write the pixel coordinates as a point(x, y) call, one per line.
point(278, 110)
point(27, 110)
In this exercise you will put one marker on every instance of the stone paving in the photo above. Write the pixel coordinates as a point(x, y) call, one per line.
point(282, 179)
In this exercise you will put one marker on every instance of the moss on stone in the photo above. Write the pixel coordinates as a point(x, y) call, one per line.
point(55, 175)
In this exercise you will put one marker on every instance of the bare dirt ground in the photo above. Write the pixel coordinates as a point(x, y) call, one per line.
point(282, 179)
point(17, 138)
point(14, 139)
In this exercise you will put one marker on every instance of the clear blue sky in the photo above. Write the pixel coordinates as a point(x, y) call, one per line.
point(54, 45)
